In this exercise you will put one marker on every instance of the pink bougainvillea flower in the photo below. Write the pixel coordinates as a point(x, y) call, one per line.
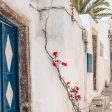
point(68, 83)
point(76, 92)
point(71, 95)
point(79, 97)
point(64, 64)
point(72, 90)
point(55, 54)
point(77, 88)
point(76, 97)
point(54, 64)
point(57, 60)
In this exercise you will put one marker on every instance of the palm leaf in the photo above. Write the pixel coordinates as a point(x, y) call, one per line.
point(97, 4)
point(77, 4)
point(86, 2)
point(95, 8)
point(100, 15)
point(100, 9)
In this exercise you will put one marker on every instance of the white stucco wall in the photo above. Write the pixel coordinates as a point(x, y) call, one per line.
point(64, 36)
point(103, 63)
point(103, 35)
point(92, 28)
point(48, 95)
point(47, 92)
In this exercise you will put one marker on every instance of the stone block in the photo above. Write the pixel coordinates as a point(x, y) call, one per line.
point(100, 104)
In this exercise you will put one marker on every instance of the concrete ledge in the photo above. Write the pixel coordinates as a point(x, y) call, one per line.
point(107, 91)
point(100, 104)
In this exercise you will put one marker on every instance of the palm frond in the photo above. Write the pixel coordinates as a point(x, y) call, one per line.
point(104, 14)
point(78, 4)
point(86, 2)
point(100, 9)
point(97, 4)
point(95, 8)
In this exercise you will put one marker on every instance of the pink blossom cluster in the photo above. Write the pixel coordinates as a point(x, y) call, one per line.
point(56, 61)
point(72, 92)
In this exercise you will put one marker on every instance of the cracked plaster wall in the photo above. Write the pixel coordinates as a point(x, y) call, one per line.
point(47, 93)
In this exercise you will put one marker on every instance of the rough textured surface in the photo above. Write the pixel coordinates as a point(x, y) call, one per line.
point(94, 42)
point(23, 38)
point(48, 94)
point(100, 104)
point(108, 92)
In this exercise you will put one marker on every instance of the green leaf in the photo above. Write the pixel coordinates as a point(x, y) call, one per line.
point(94, 8)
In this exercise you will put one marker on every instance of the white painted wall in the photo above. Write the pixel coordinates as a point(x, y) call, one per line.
point(92, 28)
point(47, 92)
point(48, 95)
point(103, 35)
point(103, 63)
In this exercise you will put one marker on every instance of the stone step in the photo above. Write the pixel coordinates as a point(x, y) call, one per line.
point(110, 107)
point(100, 104)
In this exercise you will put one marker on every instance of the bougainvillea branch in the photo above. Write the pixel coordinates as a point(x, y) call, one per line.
point(72, 11)
point(72, 93)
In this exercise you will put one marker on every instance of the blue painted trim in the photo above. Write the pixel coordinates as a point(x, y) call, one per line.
point(1, 83)
point(17, 61)
point(4, 20)
point(89, 62)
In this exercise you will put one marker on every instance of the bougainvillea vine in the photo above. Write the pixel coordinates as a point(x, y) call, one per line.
point(73, 92)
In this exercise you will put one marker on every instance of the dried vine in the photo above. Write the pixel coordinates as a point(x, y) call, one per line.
point(71, 14)
point(74, 103)
point(65, 85)
point(74, 100)
point(72, 9)
point(55, 62)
